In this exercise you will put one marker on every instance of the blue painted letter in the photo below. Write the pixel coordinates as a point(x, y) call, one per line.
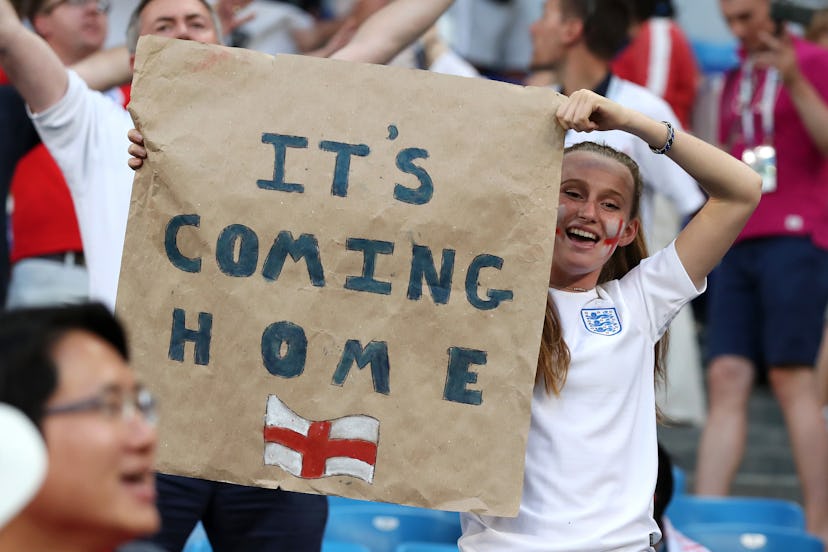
point(405, 163)
point(200, 337)
point(306, 247)
point(376, 353)
point(248, 251)
point(343, 163)
point(280, 143)
point(370, 249)
point(459, 376)
point(422, 266)
point(495, 296)
point(178, 259)
point(292, 363)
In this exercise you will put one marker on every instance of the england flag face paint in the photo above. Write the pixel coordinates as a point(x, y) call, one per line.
point(613, 235)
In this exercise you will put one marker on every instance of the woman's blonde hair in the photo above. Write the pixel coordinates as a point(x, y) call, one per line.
point(554, 358)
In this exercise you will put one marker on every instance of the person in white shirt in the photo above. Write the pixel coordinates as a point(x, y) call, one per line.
point(578, 40)
point(591, 458)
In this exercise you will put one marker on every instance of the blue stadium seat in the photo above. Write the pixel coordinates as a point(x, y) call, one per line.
point(715, 57)
point(732, 537)
point(339, 546)
point(426, 547)
point(769, 512)
point(198, 541)
point(679, 481)
point(382, 528)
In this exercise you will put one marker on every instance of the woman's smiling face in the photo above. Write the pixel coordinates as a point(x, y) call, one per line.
point(596, 201)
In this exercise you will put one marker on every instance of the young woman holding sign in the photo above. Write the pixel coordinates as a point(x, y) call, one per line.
point(591, 459)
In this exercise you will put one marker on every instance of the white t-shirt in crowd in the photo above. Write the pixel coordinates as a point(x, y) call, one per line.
point(86, 134)
point(591, 457)
point(494, 34)
point(660, 174)
point(271, 30)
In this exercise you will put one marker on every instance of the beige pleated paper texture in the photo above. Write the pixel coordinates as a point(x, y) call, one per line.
point(494, 154)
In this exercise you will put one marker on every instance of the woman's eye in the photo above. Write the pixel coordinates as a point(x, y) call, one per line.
point(611, 206)
point(572, 194)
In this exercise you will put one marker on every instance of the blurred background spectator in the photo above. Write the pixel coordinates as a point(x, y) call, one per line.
point(494, 35)
point(660, 58)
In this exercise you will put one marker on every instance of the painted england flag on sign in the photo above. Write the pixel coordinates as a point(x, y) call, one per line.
point(310, 449)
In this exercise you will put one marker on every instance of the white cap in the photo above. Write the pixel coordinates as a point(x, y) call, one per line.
point(22, 462)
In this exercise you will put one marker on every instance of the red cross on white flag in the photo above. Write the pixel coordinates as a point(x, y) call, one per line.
point(313, 449)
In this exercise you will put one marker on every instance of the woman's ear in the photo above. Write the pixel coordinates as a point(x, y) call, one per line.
point(629, 232)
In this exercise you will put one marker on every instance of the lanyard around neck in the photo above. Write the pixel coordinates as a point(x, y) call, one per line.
point(766, 103)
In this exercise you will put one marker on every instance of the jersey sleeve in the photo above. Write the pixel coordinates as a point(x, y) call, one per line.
point(661, 287)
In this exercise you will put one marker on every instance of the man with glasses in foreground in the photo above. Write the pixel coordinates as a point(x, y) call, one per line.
point(66, 369)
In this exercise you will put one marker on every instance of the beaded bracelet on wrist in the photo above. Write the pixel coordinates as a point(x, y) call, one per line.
point(671, 135)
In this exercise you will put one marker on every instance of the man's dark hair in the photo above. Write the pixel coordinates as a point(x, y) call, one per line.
point(28, 373)
point(606, 24)
point(30, 8)
point(645, 9)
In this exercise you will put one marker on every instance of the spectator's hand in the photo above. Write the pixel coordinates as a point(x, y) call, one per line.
point(228, 13)
point(586, 111)
point(136, 148)
point(779, 53)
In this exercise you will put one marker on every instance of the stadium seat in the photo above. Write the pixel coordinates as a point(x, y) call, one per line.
point(339, 546)
point(679, 481)
point(733, 537)
point(382, 528)
point(198, 541)
point(715, 57)
point(426, 547)
point(337, 503)
point(688, 510)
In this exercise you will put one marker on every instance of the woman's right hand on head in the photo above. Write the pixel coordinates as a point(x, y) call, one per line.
point(586, 111)
point(136, 149)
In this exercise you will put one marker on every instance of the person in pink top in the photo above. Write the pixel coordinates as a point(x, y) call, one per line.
point(768, 298)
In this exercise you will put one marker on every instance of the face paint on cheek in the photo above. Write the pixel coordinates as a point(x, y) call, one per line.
point(561, 217)
point(613, 236)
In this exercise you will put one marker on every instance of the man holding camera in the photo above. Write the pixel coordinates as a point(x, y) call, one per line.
point(767, 300)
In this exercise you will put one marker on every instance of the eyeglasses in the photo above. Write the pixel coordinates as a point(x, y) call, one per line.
point(113, 405)
point(102, 5)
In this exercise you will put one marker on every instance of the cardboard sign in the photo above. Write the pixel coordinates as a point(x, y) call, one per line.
point(335, 274)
